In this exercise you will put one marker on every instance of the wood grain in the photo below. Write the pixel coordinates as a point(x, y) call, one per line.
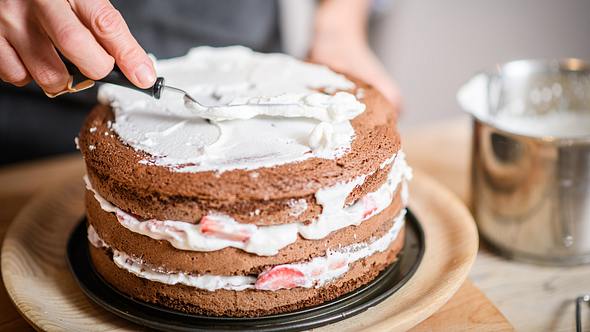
point(18, 183)
point(33, 261)
point(468, 310)
point(36, 277)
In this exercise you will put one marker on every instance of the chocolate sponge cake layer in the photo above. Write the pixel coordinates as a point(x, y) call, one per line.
point(245, 303)
point(230, 261)
point(159, 192)
point(259, 212)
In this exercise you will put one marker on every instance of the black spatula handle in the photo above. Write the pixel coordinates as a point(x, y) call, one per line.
point(116, 77)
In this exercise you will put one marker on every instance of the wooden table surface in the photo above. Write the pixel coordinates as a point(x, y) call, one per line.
point(441, 151)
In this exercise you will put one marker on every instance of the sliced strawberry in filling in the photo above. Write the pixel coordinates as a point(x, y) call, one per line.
point(370, 206)
point(280, 277)
point(337, 264)
point(213, 228)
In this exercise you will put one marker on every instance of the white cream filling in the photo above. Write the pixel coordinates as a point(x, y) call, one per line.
point(336, 216)
point(262, 110)
point(313, 273)
point(217, 231)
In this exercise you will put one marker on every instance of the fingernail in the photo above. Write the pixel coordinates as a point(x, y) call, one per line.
point(145, 74)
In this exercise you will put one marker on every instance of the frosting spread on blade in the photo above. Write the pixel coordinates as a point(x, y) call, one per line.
point(339, 107)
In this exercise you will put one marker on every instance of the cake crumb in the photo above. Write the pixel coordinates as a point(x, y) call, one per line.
point(93, 129)
point(91, 147)
point(297, 207)
point(77, 142)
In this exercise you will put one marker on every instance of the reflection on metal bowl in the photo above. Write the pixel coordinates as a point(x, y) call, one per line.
point(531, 159)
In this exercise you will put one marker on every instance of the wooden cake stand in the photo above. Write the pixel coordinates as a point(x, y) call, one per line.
point(41, 286)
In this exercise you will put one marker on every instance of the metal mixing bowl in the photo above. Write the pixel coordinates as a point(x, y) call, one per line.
point(531, 158)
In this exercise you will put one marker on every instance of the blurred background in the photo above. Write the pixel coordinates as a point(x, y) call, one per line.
point(432, 47)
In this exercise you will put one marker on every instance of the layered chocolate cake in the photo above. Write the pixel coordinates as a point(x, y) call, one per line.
point(286, 190)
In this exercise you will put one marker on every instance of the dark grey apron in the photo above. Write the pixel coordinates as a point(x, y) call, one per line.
point(33, 126)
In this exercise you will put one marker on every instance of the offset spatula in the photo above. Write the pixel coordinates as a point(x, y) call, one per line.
point(79, 82)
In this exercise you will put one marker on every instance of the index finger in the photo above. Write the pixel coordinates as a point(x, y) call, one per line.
point(72, 38)
point(111, 31)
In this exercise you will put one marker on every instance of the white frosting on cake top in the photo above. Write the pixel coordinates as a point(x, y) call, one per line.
point(262, 110)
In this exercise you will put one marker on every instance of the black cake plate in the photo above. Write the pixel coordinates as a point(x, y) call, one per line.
point(153, 316)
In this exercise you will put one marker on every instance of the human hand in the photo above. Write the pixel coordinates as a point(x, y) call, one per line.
point(340, 42)
point(90, 33)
